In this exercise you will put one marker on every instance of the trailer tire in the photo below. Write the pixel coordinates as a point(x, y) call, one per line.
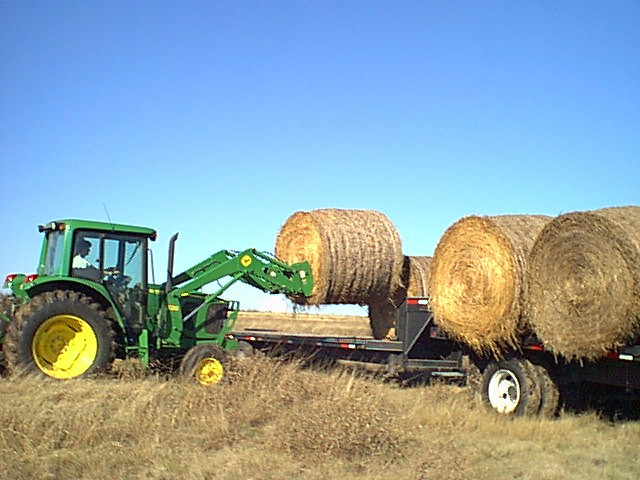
point(511, 387)
point(550, 394)
point(204, 363)
point(60, 334)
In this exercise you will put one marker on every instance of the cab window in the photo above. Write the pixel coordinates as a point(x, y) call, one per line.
point(53, 260)
point(85, 262)
point(123, 259)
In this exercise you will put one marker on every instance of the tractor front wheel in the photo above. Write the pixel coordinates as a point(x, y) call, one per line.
point(206, 363)
point(60, 334)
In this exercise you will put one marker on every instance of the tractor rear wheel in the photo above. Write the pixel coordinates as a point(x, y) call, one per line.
point(3, 329)
point(206, 363)
point(60, 334)
point(5, 307)
point(511, 387)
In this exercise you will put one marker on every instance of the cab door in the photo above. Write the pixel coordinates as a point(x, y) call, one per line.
point(124, 276)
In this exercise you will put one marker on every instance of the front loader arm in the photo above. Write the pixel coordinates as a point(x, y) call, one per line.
point(257, 269)
point(254, 268)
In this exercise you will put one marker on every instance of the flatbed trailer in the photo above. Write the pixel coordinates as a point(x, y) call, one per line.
point(420, 345)
point(525, 381)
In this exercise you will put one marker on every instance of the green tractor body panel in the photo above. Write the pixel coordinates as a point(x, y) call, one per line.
point(110, 263)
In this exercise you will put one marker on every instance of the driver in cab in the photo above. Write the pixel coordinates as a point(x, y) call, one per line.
point(81, 267)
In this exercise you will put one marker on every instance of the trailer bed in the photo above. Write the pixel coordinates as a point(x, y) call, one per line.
point(353, 348)
point(341, 342)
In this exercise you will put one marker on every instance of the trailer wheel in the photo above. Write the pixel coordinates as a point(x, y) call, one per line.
point(60, 334)
point(204, 363)
point(550, 394)
point(511, 387)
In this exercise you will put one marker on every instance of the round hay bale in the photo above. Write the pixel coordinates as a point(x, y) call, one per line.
point(419, 273)
point(355, 255)
point(583, 292)
point(477, 279)
point(415, 283)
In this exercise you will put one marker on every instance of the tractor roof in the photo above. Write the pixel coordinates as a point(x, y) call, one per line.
point(100, 226)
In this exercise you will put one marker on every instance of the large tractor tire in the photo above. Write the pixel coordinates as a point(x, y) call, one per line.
point(60, 334)
point(205, 363)
point(512, 387)
point(3, 331)
point(550, 398)
point(5, 307)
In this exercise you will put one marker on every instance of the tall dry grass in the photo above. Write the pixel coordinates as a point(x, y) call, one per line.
point(276, 420)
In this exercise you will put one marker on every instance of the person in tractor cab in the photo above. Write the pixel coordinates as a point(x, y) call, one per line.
point(81, 267)
point(83, 247)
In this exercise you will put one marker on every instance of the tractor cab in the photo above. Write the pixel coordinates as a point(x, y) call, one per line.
point(95, 255)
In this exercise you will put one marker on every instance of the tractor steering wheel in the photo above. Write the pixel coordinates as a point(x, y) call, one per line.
point(115, 277)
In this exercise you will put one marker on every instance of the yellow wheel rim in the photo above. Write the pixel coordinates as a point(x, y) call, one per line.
point(209, 371)
point(64, 346)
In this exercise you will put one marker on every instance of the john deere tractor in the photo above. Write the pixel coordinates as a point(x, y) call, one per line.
point(92, 301)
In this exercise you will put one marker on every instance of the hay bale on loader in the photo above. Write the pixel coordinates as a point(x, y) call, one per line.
point(584, 282)
point(415, 283)
point(355, 255)
point(478, 279)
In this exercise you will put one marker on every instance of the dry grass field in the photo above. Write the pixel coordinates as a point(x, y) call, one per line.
point(305, 322)
point(275, 420)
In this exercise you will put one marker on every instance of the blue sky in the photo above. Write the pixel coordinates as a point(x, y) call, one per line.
point(221, 119)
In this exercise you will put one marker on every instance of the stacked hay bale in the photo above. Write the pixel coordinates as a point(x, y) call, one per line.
point(477, 280)
point(418, 276)
point(355, 255)
point(415, 283)
point(584, 282)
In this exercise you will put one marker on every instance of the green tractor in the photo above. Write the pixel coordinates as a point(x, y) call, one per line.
point(91, 301)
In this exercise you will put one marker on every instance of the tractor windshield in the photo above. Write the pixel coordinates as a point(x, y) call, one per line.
point(53, 261)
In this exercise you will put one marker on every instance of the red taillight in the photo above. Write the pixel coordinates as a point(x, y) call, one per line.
point(9, 278)
point(536, 347)
point(30, 278)
point(418, 301)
